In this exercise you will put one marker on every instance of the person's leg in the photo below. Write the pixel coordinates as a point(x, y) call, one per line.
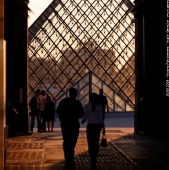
point(69, 141)
point(43, 121)
point(52, 125)
point(64, 135)
point(97, 139)
point(93, 138)
point(104, 114)
point(89, 133)
point(39, 121)
point(48, 124)
point(75, 135)
point(32, 122)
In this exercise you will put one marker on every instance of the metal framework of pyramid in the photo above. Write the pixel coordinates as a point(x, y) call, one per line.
point(87, 44)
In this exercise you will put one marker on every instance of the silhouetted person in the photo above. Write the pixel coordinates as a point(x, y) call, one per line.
point(50, 113)
point(34, 105)
point(43, 98)
point(70, 111)
point(102, 99)
point(94, 117)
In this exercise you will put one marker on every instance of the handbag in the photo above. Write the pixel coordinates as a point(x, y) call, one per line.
point(103, 141)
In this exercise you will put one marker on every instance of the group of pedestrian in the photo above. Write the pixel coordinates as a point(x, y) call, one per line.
point(70, 110)
point(43, 108)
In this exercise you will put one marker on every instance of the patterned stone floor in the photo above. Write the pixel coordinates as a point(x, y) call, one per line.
point(123, 151)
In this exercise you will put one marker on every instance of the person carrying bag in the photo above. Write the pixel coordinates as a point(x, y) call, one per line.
point(103, 141)
point(94, 117)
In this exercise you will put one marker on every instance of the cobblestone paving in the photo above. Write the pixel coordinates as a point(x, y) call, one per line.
point(22, 155)
point(25, 145)
point(25, 151)
point(129, 151)
point(29, 152)
point(110, 156)
point(17, 139)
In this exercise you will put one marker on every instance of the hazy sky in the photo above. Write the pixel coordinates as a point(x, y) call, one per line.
point(38, 6)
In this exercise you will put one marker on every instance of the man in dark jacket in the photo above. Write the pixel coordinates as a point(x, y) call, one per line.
point(34, 105)
point(70, 111)
point(102, 99)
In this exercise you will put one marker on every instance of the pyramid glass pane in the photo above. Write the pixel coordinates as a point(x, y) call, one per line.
point(87, 44)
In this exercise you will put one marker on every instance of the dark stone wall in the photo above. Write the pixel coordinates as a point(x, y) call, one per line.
point(16, 50)
point(151, 110)
point(15, 34)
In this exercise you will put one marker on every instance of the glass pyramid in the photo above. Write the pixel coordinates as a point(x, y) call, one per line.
point(87, 44)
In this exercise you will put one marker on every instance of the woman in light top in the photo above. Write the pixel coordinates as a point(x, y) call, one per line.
point(94, 117)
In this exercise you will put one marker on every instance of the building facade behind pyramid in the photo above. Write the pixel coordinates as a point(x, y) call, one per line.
point(86, 44)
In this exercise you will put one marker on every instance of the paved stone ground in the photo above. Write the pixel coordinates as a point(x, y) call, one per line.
point(123, 151)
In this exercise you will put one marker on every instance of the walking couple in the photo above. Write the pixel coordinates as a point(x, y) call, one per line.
point(70, 111)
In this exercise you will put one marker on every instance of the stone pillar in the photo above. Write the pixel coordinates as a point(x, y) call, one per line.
point(139, 113)
point(16, 29)
point(2, 84)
